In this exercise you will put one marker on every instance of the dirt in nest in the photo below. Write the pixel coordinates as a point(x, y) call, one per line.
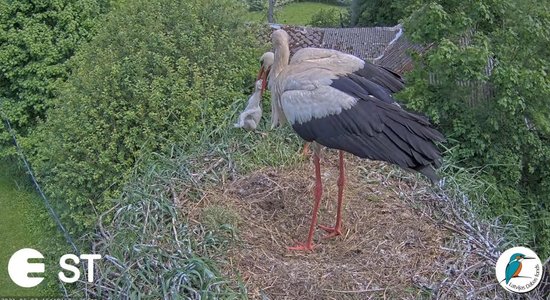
point(387, 249)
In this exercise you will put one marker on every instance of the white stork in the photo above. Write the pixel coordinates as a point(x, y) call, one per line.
point(342, 102)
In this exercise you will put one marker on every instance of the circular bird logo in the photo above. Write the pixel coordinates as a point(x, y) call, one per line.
point(519, 270)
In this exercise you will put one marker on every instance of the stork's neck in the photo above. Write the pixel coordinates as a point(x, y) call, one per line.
point(282, 55)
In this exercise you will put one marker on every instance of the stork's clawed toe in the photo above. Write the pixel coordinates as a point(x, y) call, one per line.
point(332, 231)
point(301, 247)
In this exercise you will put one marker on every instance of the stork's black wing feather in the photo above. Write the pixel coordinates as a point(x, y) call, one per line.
point(370, 80)
point(361, 87)
point(382, 77)
point(378, 130)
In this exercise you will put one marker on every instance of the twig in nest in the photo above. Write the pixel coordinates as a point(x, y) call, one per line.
point(355, 291)
point(100, 222)
point(208, 170)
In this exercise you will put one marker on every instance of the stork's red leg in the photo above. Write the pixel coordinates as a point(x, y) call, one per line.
point(318, 194)
point(337, 229)
point(305, 151)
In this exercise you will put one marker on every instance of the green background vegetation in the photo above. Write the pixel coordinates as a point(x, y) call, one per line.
point(157, 73)
point(304, 13)
point(111, 100)
point(505, 134)
point(36, 39)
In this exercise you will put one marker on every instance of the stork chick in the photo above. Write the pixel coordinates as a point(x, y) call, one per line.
point(250, 117)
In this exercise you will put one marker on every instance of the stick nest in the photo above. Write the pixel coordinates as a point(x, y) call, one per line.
point(401, 239)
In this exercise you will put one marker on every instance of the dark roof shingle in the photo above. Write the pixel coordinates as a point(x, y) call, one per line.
point(396, 55)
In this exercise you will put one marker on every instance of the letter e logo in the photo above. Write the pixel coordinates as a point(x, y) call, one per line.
point(19, 268)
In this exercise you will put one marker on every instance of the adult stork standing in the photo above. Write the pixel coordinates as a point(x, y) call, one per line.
point(342, 102)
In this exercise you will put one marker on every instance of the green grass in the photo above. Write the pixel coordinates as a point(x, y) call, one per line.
point(23, 224)
point(296, 13)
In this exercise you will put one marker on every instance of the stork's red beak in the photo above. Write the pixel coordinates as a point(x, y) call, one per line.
point(263, 76)
point(261, 73)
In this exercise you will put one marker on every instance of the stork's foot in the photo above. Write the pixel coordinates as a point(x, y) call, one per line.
point(302, 247)
point(305, 151)
point(332, 231)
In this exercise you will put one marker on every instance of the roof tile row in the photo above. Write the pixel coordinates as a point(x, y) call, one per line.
point(382, 45)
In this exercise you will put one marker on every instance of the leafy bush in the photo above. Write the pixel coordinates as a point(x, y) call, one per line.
point(326, 18)
point(36, 39)
point(379, 12)
point(499, 116)
point(157, 73)
point(257, 5)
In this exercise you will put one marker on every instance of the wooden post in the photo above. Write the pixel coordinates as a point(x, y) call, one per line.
point(270, 9)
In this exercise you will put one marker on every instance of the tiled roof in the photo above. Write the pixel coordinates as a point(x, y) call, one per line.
point(304, 37)
point(397, 57)
point(382, 45)
point(366, 43)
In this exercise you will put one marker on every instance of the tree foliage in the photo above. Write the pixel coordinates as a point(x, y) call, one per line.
point(326, 18)
point(379, 12)
point(257, 5)
point(36, 40)
point(158, 72)
point(485, 82)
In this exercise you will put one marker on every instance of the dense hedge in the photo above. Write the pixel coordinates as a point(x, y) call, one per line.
point(486, 83)
point(157, 73)
point(324, 18)
point(36, 40)
point(380, 12)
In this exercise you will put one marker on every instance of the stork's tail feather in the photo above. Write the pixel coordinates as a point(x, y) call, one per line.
point(429, 172)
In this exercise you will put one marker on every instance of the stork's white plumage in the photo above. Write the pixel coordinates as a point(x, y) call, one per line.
point(342, 102)
point(250, 117)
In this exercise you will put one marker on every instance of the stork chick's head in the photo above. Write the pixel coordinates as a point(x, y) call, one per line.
point(259, 86)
